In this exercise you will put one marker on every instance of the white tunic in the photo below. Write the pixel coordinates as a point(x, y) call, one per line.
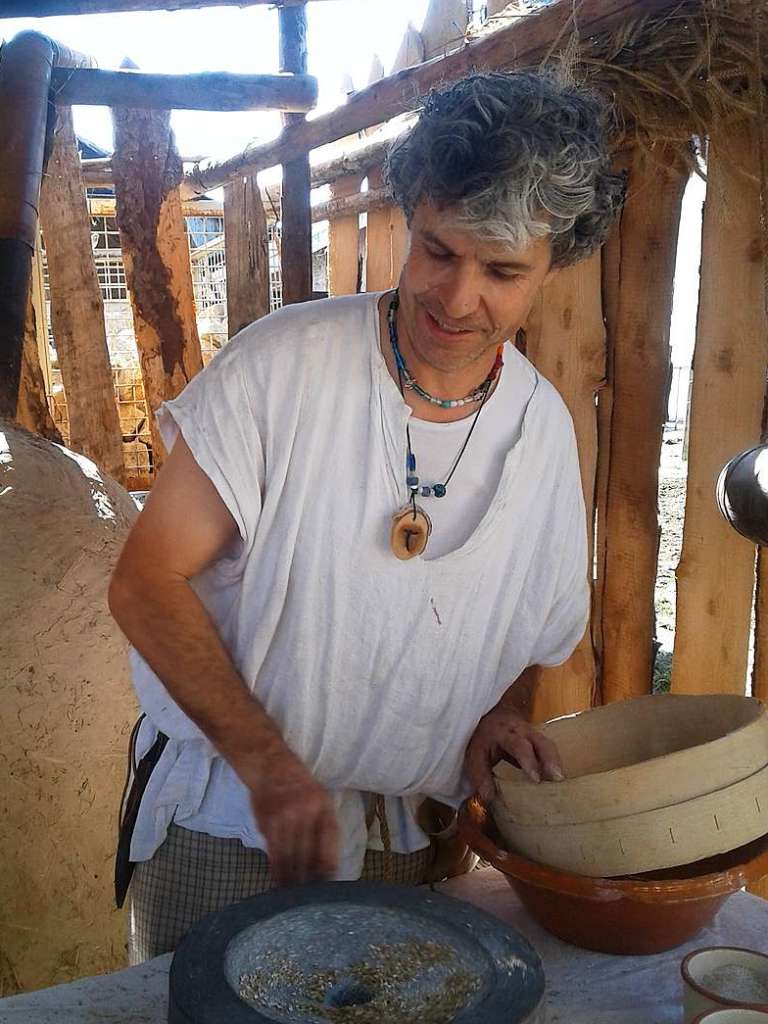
point(375, 670)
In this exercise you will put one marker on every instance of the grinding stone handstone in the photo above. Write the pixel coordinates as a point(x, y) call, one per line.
point(310, 946)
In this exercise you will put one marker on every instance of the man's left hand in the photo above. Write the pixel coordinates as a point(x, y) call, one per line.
point(503, 734)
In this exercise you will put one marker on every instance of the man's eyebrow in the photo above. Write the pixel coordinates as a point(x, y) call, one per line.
point(501, 262)
point(429, 237)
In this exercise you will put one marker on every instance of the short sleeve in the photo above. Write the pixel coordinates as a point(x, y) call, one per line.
point(216, 416)
point(568, 613)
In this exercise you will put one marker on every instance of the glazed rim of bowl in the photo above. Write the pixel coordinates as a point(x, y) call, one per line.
point(708, 993)
point(478, 827)
point(760, 712)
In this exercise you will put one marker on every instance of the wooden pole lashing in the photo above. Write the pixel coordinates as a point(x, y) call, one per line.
point(295, 216)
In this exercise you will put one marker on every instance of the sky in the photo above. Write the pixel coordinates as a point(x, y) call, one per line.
point(342, 36)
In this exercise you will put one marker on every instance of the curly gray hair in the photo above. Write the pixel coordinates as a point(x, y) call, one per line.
point(516, 157)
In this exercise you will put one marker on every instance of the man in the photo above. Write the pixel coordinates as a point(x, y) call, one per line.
point(369, 527)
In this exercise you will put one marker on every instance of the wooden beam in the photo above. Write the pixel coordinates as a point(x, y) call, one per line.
point(715, 577)
point(104, 206)
point(639, 337)
point(156, 257)
point(98, 173)
point(247, 254)
point(210, 90)
point(343, 242)
point(77, 310)
point(522, 44)
point(295, 216)
point(24, 82)
point(55, 8)
point(566, 342)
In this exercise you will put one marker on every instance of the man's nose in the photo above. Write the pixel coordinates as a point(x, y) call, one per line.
point(460, 291)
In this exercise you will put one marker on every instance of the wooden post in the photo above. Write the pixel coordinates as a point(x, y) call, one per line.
point(77, 311)
point(32, 409)
point(611, 277)
point(566, 342)
point(245, 239)
point(156, 257)
point(639, 338)
point(25, 72)
point(411, 50)
point(344, 242)
point(760, 667)
point(296, 219)
point(444, 26)
point(715, 576)
point(387, 242)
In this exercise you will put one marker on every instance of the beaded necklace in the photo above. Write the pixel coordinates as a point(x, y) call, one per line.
point(411, 526)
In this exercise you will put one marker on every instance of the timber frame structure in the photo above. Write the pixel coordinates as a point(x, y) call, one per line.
point(685, 75)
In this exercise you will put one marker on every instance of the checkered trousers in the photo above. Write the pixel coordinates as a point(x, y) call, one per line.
point(194, 874)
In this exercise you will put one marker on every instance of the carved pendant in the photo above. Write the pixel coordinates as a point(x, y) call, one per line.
point(410, 532)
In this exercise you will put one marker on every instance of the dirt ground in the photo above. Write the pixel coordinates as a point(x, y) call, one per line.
point(672, 479)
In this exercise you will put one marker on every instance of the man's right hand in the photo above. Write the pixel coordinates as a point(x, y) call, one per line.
point(297, 818)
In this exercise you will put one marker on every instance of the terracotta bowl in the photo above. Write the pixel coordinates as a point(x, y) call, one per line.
point(634, 915)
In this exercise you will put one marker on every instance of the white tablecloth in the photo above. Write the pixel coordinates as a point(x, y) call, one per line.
point(582, 987)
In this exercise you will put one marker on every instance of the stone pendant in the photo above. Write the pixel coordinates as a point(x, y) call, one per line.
point(410, 532)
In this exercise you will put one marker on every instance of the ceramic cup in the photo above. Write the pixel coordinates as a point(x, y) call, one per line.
point(726, 979)
point(732, 1017)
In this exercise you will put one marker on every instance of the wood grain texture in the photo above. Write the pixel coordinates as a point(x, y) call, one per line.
point(715, 576)
point(77, 310)
point(638, 328)
point(156, 257)
point(386, 241)
point(24, 80)
point(443, 27)
point(566, 343)
point(295, 207)
point(344, 242)
point(611, 269)
point(247, 254)
point(760, 666)
point(32, 410)
point(209, 90)
point(523, 43)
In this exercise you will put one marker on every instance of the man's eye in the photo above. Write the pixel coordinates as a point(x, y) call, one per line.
point(506, 275)
point(438, 254)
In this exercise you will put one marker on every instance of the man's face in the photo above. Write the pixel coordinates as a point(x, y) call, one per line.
point(461, 295)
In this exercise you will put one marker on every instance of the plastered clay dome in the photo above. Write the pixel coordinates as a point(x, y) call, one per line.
point(65, 716)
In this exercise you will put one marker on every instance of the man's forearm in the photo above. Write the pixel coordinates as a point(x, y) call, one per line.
point(168, 625)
